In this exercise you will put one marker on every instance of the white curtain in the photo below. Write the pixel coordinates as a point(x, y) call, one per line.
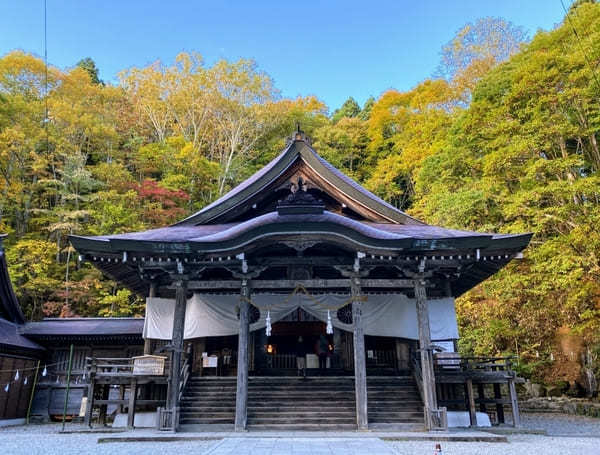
point(391, 315)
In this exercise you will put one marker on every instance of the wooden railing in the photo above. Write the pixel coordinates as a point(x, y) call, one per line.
point(185, 375)
point(474, 364)
point(284, 361)
point(381, 358)
point(105, 367)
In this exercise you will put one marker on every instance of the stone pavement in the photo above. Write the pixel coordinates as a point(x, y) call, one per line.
point(301, 446)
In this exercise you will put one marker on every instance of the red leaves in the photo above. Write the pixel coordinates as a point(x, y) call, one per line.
point(162, 205)
point(150, 190)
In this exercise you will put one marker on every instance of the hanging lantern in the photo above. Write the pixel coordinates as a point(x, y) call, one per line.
point(329, 328)
point(17, 375)
point(7, 387)
point(268, 321)
point(45, 372)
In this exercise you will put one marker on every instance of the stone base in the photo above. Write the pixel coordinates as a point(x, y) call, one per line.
point(141, 420)
point(461, 419)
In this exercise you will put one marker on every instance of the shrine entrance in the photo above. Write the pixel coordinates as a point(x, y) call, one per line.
point(297, 334)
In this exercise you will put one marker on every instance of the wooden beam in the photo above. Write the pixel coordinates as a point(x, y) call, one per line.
point(292, 284)
point(360, 360)
point(499, 406)
point(471, 403)
point(177, 345)
point(241, 397)
point(89, 405)
point(514, 403)
point(103, 407)
point(481, 394)
point(429, 389)
point(132, 402)
point(147, 341)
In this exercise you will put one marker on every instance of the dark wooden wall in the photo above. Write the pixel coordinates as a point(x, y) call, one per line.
point(14, 403)
point(49, 399)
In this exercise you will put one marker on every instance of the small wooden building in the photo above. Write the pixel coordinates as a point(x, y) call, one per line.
point(299, 251)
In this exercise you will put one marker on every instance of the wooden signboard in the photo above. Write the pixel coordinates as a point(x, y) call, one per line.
point(149, 365)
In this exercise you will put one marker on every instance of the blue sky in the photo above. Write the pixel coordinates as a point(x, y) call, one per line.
point(331, 49)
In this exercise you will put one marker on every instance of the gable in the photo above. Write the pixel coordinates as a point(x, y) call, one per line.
point(259, 194)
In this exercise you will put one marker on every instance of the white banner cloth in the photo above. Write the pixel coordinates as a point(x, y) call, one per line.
point(392, 315)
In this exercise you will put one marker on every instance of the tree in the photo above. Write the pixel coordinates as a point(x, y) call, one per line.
point(90, 67)
point(33, 273)
point(365, 113)
point(344, 144)
point(349, 109)
point(238, 116)
point(405, 128)
point(523, 157)
point(475, 49)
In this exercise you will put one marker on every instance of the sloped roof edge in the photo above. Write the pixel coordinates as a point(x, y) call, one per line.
point(8, 300)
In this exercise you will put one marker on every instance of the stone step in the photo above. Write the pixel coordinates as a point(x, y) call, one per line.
point(207, 409)
point(301, 426)
point(206, 420)
point(290, 405)
point(294, 420)
point(394, 403)
point(399, 414)
point(185, 414)
point(291, 416)
point(412, 420)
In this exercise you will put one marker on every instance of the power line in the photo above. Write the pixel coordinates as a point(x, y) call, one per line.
point(46, 74)
point(585, 56)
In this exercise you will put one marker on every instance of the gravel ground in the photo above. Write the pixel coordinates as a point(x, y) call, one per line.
point(45, 440)
point(563, 424)
point(517, 445)
point(566, 435)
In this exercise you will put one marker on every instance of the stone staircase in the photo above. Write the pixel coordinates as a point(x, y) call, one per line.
point(208, 401)
point(293, 403)
point(394, 403)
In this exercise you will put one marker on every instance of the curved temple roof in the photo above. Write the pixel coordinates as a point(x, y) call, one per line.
point(234, 236)
point(233, 224)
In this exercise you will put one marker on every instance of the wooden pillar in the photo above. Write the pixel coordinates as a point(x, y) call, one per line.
point(360, 360)
point(499, 406)
point(104, 407)
point(471, 403)
point(89, 405)
point(177, 346)
point(429, 391)
point(481, 395)
point(131, 408)
point(121, 397)
point(241, 397)
point(514, 403)
point(147, 341)
point(402, 355)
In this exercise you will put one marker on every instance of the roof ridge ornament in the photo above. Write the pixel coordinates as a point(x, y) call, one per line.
point(300, 201)
point(299, 135)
